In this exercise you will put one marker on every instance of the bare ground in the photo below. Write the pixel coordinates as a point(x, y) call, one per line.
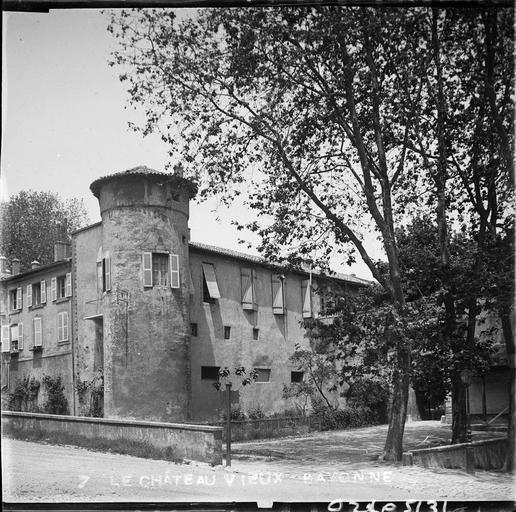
point(321, 467)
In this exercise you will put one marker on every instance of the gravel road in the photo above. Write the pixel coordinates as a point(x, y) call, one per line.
point(44, 472)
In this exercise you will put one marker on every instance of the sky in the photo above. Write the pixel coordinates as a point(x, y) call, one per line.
point(65, 121)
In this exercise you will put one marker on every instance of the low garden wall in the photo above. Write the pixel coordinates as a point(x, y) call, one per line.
point(169, 441)
point(266, 428)
point(487, 454)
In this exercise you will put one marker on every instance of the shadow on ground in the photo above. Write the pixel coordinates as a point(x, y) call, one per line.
point(348, 446)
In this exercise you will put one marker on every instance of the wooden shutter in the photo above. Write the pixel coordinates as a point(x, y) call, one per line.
point(20, 336)
point(62, 326)
point(6, 346)
point(2, 302)
point(174, 271)
point(211, 280)
point(59, 327)
point(107, 270)
point(29, 295)
point(147, 269)
point(278, 307)
point(246, 280)
point(65, 326)
point(53, 289)
point(43, 288)
point(306, 294)
point(68, 287)
point(19, 295)
point(38, 339)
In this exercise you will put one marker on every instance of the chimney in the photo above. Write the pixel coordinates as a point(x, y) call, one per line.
point(34, 264)
point(15, 266)
point(178, 170)
point(61, 250)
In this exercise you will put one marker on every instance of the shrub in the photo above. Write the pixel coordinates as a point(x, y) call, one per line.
point(56, 401)
point(371, 395)
point(349, 417)
point(256, 413)
point(236, 414)
point(24, 396)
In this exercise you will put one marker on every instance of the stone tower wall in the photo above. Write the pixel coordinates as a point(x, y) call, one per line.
point(146, 330)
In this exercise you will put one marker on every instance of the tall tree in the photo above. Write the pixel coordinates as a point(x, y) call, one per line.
point(322, 113)
point(32, 221)
point(304, 102)
point(466, 117)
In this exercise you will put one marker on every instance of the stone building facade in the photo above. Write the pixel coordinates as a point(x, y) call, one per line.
point(155, 315)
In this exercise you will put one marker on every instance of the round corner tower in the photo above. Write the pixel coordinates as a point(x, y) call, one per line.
point(145, 303)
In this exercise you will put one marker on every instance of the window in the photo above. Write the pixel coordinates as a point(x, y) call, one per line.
point(62, 326)
point(306, 294)
point(256, 333)
point(210, 288)
point(15, 299)
point(263, 374)
point(160, 269)
point(278, 307)
point(61, 286)
point(14, 337)
point(210, 372)
point(193, 329)
point(5, 339)
point(38, 339)
point(248, 280)
point(227, 332)
point(34, 294)
point(296, 376)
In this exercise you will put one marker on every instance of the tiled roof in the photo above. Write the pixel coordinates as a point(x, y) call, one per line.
point(262, 261)
point(41, 268)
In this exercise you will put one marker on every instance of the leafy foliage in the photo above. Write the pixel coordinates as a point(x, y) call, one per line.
point(24, 396)
point(56, 401)
point(334, 121)
point(30, 223)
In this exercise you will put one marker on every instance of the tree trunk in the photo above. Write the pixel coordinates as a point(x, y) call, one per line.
point(459, 412)
point(393, 449)
point(509, 344)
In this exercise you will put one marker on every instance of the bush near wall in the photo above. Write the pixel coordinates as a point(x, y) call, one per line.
point(349, 417)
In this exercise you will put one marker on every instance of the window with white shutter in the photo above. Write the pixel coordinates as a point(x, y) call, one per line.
point(29, 295)
point(43, 291)
point(62, 326)
point(19, 303)
point(247, 279)
point(68, 284)
point(61, 287)
point(14, 337)
point(38, 338)
point(210, 286)
point(278, 306)
point(306, 294)
point(6, 347)
point(174, 271)
point(20, 336)
point(53, 289)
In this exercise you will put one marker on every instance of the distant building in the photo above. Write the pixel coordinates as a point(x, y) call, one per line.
point(134, 300)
